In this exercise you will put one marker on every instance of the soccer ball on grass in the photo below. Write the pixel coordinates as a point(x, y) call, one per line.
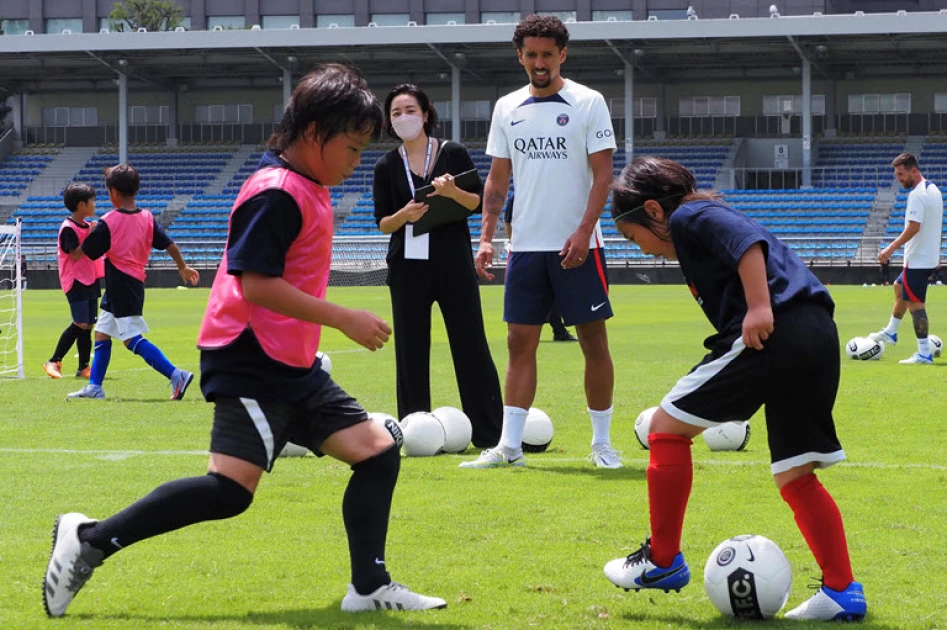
point(423, 434)
point(748, 577)
point(457, 428)
point(537, 432)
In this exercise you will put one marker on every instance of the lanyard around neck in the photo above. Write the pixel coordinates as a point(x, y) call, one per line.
point(407, 167)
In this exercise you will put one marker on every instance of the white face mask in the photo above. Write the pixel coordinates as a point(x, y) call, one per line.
point(408, 126)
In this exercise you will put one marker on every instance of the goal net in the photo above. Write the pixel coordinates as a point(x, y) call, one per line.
point(11, 307)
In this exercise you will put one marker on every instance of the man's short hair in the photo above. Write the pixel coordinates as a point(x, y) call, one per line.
point(541, 26)
point(123, 178)
point(74, 194)
point(907, 160)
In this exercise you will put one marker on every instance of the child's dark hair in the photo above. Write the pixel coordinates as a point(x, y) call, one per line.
point(334, 98)
point(541, 26)
point(423, 102)
point(665, 181)
point(123, 178)
point(74, 194)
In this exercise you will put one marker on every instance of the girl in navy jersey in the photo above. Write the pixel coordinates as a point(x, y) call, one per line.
point(775, 339)
point(258, 344)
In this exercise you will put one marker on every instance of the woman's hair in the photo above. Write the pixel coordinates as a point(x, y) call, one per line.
point(124, 179)
point(665, 181)
point(336, 100)
point(541, 26)
point(427, 107)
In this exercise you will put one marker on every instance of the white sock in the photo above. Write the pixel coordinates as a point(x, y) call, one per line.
point(924, 347)
point(893, 324)
point(511, 437)
point(601, 426)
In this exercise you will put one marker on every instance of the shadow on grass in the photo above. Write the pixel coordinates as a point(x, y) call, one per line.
point(674, 620)
point(327, 617)
point(620, 474)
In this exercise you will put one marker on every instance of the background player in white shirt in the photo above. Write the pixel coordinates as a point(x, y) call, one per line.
point(554, 137)
point(923, 222)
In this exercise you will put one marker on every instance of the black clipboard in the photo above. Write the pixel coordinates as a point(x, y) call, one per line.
point(441, 210)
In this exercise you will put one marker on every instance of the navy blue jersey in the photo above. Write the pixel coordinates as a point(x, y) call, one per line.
point(124, 294)
point(710, 238)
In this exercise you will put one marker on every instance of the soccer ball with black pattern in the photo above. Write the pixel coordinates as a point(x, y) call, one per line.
point(748, 577)
point(538, 431)
point(643, 426)
point(937, 346)
point(864, 349)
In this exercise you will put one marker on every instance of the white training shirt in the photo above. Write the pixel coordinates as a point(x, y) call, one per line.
point(549, 140)
point(925, 206)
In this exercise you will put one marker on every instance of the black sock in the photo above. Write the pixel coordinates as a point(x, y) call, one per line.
point(84, 345)
point(365, 510)
point(169, 507)
point(66, 340)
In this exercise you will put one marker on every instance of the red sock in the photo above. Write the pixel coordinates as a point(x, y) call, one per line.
point(820, 522)
point(670, 475)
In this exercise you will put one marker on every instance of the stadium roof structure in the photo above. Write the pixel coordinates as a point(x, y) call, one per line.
point(839, 46)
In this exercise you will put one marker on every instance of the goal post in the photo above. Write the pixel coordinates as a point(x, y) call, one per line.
point(11, 302)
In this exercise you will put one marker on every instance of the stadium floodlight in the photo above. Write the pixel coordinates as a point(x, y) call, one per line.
point(691, 13)
point(773, 11)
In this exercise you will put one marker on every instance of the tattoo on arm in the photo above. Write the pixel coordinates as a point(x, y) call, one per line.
point(494, 202)
point(920, 322)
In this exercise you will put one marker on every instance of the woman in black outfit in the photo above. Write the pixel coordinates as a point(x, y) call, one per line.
point(436, 267)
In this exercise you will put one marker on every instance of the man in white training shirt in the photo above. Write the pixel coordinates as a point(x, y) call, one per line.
point(554, 137)
point(923, 222)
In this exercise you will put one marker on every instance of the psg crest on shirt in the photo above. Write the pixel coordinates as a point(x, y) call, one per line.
point(562, 120)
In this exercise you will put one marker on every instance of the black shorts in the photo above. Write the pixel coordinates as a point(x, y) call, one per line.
point(795, 376)
point(256, 431)
point(84, 311)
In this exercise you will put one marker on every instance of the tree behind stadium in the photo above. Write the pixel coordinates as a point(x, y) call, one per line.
point(153, 15)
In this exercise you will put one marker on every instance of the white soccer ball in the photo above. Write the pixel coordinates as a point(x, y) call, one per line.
point(326, 362)
point(728, 436)
point(864, 349)
point(390, 424)
point(293, 450)
point(538, 431)
point(457, 428)
point(937, 346)
point(643, 426)
point(748, 577)
point(423, 434)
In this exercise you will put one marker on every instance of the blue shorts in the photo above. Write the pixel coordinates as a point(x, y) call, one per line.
point(536, 280)
point(914, 284)
point(84, 311)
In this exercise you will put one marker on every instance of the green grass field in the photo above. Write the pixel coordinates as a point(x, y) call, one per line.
point(506, 549)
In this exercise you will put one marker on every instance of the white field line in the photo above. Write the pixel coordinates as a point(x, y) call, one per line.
point(539, 460)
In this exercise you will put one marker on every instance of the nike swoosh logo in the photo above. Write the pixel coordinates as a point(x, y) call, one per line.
point(115, 542)
point(516, 122)
point(647, 581)
point(377, 561)
point(750, 551)
point(598, 306)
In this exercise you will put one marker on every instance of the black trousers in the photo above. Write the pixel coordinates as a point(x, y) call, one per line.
point(415, 286)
